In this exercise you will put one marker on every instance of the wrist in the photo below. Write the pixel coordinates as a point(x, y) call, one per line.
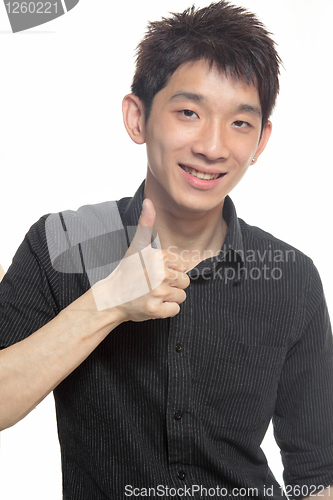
point(85, 310)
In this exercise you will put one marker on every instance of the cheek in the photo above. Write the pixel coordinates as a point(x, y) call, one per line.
point(164, 144)
point(157, 154)
point(171, 135)
point(244, 152)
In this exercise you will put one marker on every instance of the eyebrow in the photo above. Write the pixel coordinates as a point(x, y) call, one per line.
point(248, 108)
point(189, 96)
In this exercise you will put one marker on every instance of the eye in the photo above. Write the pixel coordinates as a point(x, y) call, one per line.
point(241, 124)
point(188, 113)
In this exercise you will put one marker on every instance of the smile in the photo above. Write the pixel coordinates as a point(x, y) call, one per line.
point(200, 175)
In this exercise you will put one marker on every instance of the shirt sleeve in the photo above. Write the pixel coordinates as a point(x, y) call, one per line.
point(27, 301)
point(303, 418)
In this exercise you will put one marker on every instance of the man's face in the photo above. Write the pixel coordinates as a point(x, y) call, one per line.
point(202, 122)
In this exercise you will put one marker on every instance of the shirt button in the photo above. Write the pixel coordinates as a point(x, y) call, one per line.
point(181, 474)
point(179, 347)
point(178, 415)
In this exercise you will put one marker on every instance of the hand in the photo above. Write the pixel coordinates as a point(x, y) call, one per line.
point(148, 283)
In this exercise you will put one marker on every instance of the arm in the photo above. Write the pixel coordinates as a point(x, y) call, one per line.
point(302, 420)
point(32, 368)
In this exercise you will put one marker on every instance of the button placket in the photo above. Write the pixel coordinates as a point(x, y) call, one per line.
point(179, 389)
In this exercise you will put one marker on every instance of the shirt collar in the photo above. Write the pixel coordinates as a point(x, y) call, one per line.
point(234, 240)
point(131, 215)
point(232, 250)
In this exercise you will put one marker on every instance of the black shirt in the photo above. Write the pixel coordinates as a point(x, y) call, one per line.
point(181, 405)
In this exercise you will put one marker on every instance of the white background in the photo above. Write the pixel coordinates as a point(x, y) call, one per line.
point(63, 145)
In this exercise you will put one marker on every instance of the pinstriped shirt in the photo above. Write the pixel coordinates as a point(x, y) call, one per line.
point(178, 407)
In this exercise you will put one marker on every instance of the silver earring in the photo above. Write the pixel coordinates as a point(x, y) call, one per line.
point(254, 158)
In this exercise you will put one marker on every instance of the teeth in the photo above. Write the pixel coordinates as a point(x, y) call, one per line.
point(200, 175)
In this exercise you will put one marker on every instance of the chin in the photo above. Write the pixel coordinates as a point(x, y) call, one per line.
point(196, 207)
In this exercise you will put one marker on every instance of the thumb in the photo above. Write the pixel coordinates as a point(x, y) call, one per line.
point(142, 237)
point(148, 214)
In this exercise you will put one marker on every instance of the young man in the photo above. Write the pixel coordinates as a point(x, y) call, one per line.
point(168, 368)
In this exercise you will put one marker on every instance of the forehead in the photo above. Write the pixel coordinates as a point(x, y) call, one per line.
point(209, 82)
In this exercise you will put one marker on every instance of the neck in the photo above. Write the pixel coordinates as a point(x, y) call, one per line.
point(194, 236)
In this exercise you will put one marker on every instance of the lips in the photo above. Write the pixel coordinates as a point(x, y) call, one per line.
point(207, 176)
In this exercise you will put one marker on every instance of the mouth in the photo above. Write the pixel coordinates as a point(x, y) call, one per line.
point(201, 175)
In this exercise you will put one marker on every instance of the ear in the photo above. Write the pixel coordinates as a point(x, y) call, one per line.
point(265, 135)
point(134, 118)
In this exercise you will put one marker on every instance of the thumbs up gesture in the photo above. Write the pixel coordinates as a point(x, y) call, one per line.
point(148, 283)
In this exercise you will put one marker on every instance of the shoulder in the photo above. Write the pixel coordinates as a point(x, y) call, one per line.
point(289, 270)
point(266, 246)
point(84, 223)
point(54, 234)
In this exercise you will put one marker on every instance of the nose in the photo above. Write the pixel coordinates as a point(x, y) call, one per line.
point(211, 142)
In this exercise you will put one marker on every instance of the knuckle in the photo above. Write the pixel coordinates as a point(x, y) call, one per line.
point(176, 310)
point(159, 291)
point(151, 308)
point(173, 274)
